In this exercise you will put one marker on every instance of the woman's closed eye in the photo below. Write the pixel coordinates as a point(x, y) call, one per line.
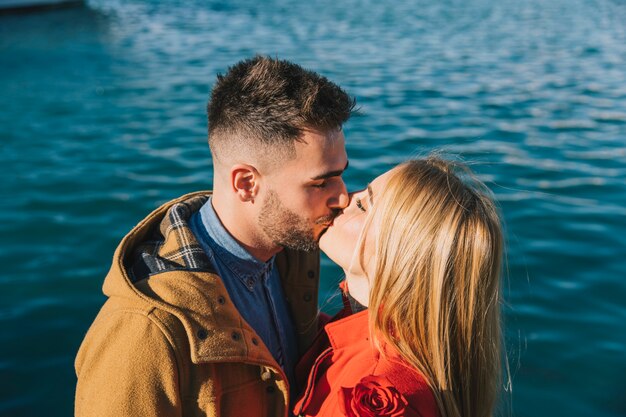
point(358, 201)
point(359, 204)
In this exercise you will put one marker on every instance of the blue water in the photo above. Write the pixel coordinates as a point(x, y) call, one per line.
point(102, 118)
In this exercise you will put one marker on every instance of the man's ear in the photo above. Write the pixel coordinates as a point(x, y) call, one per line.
point(245, 181)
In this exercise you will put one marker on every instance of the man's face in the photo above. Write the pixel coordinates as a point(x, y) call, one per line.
point(305, 194)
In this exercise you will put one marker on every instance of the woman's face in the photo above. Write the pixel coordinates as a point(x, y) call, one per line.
point(340, 240)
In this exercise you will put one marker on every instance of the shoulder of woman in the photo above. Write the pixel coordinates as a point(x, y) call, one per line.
point(410, 383)
point(403, 376)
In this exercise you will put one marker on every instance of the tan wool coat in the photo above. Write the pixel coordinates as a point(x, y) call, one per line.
point(169, 341)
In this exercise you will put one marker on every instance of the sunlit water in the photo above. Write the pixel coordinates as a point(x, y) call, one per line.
point(102, 119)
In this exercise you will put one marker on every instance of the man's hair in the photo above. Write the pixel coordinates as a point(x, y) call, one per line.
point(266, 102)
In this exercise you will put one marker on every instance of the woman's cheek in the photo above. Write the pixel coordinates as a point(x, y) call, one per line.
point(330, 245)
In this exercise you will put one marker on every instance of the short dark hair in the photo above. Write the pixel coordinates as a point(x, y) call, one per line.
point(272, 101)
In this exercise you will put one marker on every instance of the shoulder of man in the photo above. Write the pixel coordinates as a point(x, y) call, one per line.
point(130, 364)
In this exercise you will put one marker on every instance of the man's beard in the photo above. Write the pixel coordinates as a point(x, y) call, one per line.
point(286, 228)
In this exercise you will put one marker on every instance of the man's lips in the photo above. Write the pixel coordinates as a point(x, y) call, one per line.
point(327, 221)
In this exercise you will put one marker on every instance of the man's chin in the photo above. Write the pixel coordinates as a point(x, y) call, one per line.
point(306, 243)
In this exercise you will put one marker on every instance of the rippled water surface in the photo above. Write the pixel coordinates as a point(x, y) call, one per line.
point(102, 118)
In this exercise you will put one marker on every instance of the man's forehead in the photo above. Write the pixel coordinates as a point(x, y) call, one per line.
point(318, 141)
point(312, 139)
point(324, 163)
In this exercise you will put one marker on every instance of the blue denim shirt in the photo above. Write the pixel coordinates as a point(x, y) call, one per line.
point(253, 286)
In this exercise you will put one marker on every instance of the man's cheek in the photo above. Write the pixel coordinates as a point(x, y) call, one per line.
point(311, 201)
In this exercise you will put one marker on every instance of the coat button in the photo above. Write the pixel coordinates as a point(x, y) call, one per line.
point(311, 274)
point(221, 299)
point(307, 297)
point(255, 341)
point(236, 336)
point(202, 334)
point(266, 375)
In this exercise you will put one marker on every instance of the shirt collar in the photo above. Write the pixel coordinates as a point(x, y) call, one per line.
point(245, 266)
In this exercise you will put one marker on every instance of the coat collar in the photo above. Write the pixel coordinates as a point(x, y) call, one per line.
point(350, 331)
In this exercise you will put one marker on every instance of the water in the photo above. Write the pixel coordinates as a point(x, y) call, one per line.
point(103, 119)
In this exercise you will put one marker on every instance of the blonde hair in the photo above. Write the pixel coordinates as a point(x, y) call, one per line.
point(435, 294)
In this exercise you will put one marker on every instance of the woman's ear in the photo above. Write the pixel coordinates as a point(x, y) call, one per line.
point(245, 181)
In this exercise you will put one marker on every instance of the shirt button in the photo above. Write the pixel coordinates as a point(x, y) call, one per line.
point(202, 334)
point(311, 274)
point(250, 284)
point(270, 389)
point(307, 297)
point(235, 336)
point(255, 341)
point(221, 299)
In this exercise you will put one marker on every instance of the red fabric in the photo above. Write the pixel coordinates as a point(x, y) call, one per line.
point(346, 376)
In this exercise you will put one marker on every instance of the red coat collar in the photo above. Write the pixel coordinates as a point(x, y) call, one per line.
point(349, 331)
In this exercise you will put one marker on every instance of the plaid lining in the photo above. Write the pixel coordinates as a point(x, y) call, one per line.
point(171, 245)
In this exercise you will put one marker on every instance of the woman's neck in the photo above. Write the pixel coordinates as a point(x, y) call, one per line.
point(359, 288)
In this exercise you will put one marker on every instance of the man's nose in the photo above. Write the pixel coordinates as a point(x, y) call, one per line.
point(343, 198)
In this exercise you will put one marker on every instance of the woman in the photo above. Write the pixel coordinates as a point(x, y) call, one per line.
point(421, 248)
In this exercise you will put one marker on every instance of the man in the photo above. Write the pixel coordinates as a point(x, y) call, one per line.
point(213, 297)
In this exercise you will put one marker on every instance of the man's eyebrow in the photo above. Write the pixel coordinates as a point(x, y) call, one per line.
point(331, 173)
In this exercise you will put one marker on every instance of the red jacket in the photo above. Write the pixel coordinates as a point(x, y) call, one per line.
point(349, 377)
